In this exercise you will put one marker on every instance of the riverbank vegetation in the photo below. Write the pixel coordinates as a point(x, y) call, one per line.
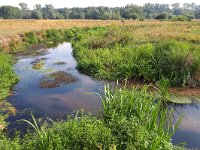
point(142, 51)
point(123, 53)
point(130, 119)
point(7, 79)
point(7, 75)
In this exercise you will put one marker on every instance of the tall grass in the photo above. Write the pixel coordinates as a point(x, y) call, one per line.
point(7, 75)
point(130, 119)
point(115, 53)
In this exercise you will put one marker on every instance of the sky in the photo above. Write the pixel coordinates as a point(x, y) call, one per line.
point(86, 3)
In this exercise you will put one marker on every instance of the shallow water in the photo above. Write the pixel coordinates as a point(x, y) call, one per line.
point(189, 128)
point(58, 102)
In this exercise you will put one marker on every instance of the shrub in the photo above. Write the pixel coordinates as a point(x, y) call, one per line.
point(31, 38)
point(53, 35)
point(161, 16)
point(181, 18)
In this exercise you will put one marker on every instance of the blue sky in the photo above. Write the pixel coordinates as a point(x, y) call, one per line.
point(85, 3)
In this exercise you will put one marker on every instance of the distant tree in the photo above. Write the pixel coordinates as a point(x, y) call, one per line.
point(49, 12)
point(176, 9)
point(9, 12)
point(161, 16)
point(37, 12)
point(132, 12)
point(92, 13)
point(148, 10)
point(65, 12)
point(197, 12)
point(26, 12)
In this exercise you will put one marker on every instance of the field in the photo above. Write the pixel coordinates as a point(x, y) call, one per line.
point(9, 29)
point(13, 27)
point(160, 52)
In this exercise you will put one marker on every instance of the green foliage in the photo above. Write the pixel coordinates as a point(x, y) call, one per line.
point(161, 16)
point(148, 11)
point(7, 75)
point(133, 117)
point(31, 38)
point(79, 133)
point(53, 35)
point(114, 53)
point(9, 12)
point(8, 144)
point(181, 18)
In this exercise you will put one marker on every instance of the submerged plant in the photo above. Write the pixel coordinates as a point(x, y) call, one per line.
point(38, 65)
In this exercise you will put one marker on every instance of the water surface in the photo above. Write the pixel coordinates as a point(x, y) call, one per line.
point(57, 102)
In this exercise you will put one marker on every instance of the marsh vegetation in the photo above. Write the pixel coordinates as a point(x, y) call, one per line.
point(148, 52)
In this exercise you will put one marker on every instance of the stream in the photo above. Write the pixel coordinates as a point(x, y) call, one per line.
point(60, 101)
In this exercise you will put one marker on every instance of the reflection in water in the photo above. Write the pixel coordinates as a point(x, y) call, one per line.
point(189, 128)
point(55, 102)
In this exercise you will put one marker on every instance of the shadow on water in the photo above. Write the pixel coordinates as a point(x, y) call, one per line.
point(54, 102)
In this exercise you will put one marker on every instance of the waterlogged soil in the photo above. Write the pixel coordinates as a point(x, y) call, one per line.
point(59, 89)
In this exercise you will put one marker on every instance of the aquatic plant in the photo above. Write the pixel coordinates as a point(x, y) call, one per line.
point(38, 65)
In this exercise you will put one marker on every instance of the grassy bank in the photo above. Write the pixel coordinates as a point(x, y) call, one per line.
point(7, 79)
point(130, 119)
point(130, 52)
point(119, 53)
point(7, 75)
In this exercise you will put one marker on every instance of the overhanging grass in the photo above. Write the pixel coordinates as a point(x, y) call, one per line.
point(130, 119)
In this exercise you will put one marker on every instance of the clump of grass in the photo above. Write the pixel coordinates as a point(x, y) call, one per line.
point(38, 65)
point(140, 121)
point(31, 38)
point(7, 75)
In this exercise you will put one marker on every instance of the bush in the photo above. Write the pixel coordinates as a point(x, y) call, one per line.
point(181, 18)
point(161, 16)
point(31, 38)
point(53, 35)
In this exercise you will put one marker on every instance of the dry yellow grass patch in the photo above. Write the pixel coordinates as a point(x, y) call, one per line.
point(10, 27)
point(13, 27)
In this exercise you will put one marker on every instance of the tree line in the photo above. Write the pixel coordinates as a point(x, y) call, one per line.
point(147, 11)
